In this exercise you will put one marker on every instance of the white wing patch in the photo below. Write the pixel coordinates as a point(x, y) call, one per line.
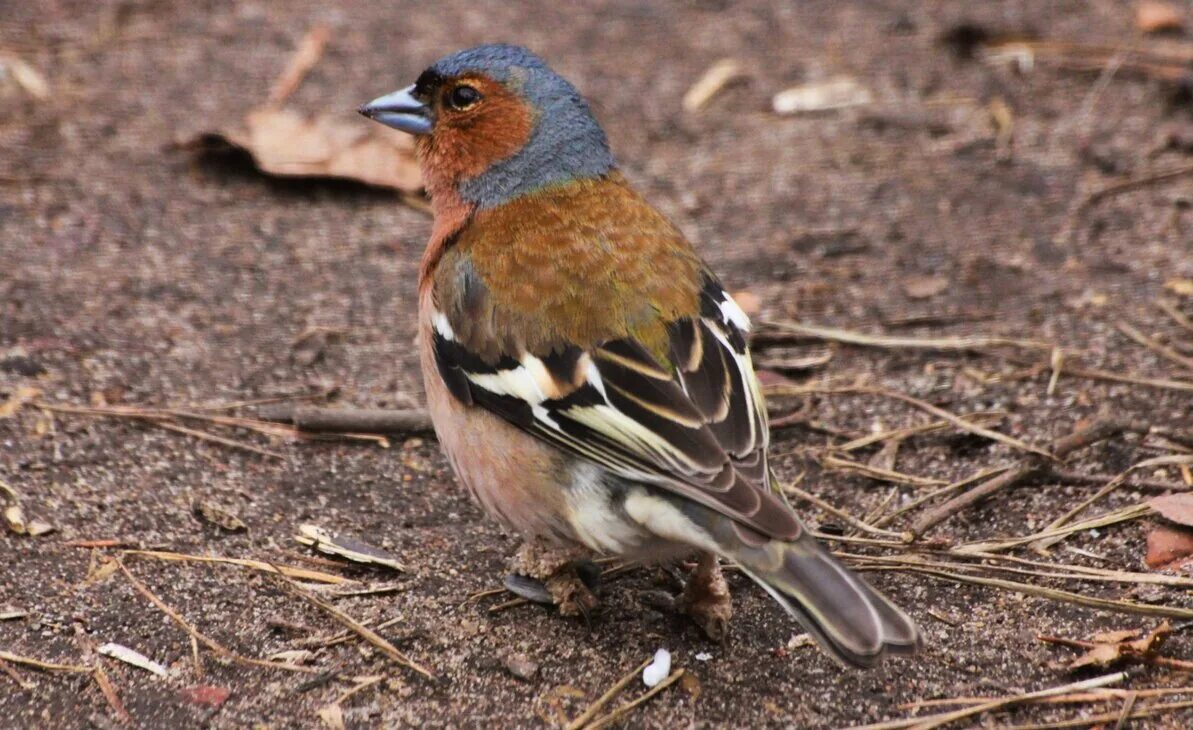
point(663, 519)
point(442, 325)
point(733, 313)
point(596, 523)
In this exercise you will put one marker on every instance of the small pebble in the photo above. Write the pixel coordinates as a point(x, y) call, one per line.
point(520, 666)
point(657, 670)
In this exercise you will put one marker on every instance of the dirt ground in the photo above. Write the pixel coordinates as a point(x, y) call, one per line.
point(133, 273)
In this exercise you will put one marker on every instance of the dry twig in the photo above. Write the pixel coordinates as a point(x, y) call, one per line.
point(363, 631)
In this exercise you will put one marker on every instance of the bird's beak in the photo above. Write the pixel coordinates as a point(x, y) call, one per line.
point(401, 110)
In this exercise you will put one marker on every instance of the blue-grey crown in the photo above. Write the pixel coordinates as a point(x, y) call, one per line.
point(566, 142)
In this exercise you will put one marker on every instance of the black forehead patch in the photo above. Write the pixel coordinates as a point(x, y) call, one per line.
point(427, 82)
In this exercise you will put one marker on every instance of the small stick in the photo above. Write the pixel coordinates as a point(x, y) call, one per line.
point(849, 337)
point(1161, 383)
point(1112, 485)
point(1135, 183)
point(110, 694)
point(301, 573)
point(983, 474)
point(352, 624)
point(15, 676)
point(883, 475)
point(904, 433)
point(348, 420)
point(1157, 347)
point(194, 633)
point(39, 664)
point(842, 514)
point(623, 710)
point(609, 694)
point(956, 421)
point(304, 59)
point(1177, 315)
point(934, 721)
point(1061, 448)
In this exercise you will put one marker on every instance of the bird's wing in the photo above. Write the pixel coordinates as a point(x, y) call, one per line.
point(687, 416)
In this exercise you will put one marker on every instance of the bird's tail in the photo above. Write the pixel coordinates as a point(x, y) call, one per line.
point(849, 619)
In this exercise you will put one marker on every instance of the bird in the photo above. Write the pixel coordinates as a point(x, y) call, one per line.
point(588, 377)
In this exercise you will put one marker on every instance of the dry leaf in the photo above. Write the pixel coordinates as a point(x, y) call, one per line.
point(886, 457)
point(924, 287)
point(1105, 653)
point(133, 657)
point(1157, 17)
point(1176, 508)
point(286, 143)
point(717, 77)
point(838, 93)
point(1168, 547)
point(1181, 287)
point(218, 515)
point(345, 547)
point(332, 716)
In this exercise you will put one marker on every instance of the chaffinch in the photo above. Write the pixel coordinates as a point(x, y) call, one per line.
point(587, 375)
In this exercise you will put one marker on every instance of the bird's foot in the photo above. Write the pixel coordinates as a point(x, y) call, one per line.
point(560, 576)
point(573, 588)
point(704, 599)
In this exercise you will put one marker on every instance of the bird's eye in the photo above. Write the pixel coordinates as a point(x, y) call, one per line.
point(463, 97)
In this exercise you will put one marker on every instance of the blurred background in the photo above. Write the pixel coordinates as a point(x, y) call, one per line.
point(193, 216)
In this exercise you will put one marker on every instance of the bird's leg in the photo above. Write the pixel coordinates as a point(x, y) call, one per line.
point(706, 598)
point(562, 575)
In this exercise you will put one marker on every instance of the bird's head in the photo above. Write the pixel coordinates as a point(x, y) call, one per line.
point(494, 123)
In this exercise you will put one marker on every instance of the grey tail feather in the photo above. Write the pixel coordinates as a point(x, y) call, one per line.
point(850, 620)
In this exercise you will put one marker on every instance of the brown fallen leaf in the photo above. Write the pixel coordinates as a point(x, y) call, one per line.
point(1106, 649)
point(1176, 508)
point(1152, 16)
point(924, 287)
point(1168, 547)
point(286, 143)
